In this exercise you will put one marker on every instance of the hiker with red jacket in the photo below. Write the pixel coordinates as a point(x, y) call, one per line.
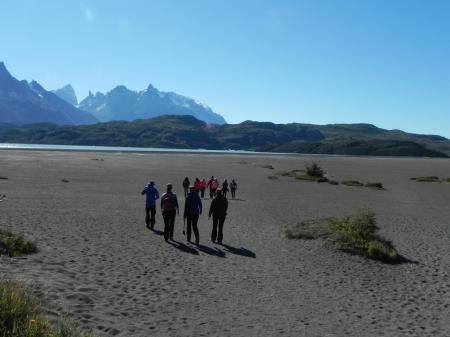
point(169, 207)
point(218, 210)
point(197, 185)
point(192, 210)
point(214, 186)
point(209, 184)
point(202, 187)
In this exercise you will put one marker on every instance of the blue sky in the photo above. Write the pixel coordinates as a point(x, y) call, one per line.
point(385, 62)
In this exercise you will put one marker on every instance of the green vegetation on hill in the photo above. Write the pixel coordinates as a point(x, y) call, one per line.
point(186, 132)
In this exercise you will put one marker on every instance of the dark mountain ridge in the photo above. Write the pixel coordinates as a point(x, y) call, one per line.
point(187, 132)
point(26, 103)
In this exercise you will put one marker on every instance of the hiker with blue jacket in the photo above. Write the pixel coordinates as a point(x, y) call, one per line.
point(152, 195)
point(192, 210)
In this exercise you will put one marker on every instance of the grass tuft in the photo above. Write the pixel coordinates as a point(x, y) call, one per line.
point(314, 170)
point(427, 179)
point(354, 233)
point(352, 183)
point(377, 185)
point(15, 245)
point(20, 315)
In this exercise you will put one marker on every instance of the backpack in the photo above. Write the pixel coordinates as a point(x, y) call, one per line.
point(169, 203)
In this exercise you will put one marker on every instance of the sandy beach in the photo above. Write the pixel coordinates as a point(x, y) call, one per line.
point(98, 262)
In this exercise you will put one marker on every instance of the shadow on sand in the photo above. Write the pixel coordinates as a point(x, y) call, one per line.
point(183, 247)
point(211, 251)
point(238, 251)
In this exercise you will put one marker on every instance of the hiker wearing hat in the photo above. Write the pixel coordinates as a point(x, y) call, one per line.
point(152, 195)
point(218, 210)
point(192, 209)
point(186, 184)
point(169, 207)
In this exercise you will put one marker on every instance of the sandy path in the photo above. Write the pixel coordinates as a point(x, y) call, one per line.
point(112, 275)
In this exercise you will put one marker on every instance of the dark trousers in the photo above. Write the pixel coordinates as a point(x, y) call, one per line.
point(150, 211)
point(217, 222)
point(212, 193)
point(169, 223)
point(202, 193)
point(233, 193)
point(191, 224)
point(224, 193)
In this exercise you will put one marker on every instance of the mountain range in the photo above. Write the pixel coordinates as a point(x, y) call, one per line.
point(23, 102)
point(187, 132)
point(124, 104)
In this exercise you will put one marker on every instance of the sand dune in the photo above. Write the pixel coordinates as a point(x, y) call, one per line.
point(99, 263)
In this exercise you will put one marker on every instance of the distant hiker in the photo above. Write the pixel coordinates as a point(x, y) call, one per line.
point(192, 209)
point(169, 207)
point(214, 186)
point(225, 188)
point(202, 187)
point(211, 191)
point(186, 184)
point(152, 195)
point(197, 185)
point(233, 188)
point(218, 210)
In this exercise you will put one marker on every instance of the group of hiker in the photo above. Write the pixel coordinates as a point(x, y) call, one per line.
point(193, 207)
point(213, 184)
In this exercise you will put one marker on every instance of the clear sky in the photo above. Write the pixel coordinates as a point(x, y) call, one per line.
point(385, 62)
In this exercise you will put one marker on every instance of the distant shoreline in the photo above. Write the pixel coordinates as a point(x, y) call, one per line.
point(157, 150)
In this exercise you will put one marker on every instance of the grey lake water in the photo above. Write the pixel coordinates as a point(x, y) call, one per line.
point(47, 147)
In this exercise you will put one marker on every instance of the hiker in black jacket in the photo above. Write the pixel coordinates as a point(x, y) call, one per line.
point(192, 209)
point(218, 210)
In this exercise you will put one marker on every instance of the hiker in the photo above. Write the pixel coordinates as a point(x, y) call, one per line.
point(214, 186)
point(169, 207)
point(211, 192)
point(218, 210)
point(186, 184)
point(233, 188)
point(192, 209)
point(202, 187)
point(197, 185)
point(225, 188)
point(152, 195)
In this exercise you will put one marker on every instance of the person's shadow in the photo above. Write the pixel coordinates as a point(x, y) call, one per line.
point(183, 247)
point(211, 251)
point(238, 251)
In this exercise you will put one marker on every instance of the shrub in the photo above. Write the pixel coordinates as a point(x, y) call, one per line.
point(314, 170)
point(428, 179)
point(377, 185)
point(447, 180)
point(322, 180)
point(272, 177)
point(20, 315)
point(354, 233)
point(15, 245)
point(352, 183)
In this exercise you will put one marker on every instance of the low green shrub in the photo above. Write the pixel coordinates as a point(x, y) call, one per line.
point(20, 315)
point(447, 180)
point(15, 245)
point(353, 233)
point(428, 179)
point(352, 183)
point(376, 185)
point(314, 170)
